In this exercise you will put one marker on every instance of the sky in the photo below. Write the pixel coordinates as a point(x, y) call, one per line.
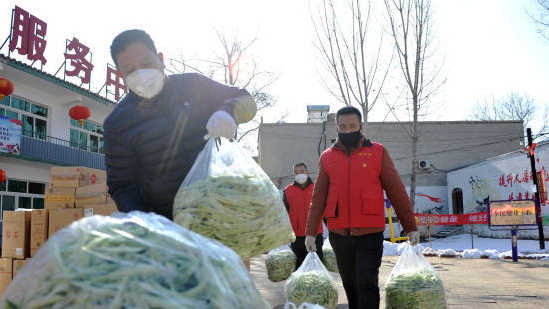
point(489, 47)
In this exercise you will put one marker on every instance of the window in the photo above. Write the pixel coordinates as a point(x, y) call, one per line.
point(89, 136)
point(15, 194)
point(33, 116)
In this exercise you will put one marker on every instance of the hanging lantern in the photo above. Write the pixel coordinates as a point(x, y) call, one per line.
point(6, 87)
point(2, 176)
point(79, 113)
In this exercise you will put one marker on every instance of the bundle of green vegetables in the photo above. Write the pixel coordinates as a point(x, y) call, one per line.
point(420, 290)
point(133, 261)
point(280, 263)
point(413, 283)
point(311, 283)
point(328, 257)
point(227, 196)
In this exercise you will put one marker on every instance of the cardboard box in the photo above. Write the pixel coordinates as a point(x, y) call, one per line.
point(91, 195)
point(59, 218)
point(109, 198)
point(6, 273)
point(65, 176)
point(16, 234)
point(100, 209)
point(56, 198)
point(17, 265)
point(91, 176)
point(39, 230)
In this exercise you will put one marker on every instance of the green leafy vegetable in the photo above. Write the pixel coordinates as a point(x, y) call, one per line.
point(316, 287)
point(416, 290)
point(140, 261)
point(280, 264)
point(240, 211)
point(329, 258)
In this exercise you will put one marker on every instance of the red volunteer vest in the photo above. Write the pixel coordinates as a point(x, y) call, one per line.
point(355, 195)
point(299, 200)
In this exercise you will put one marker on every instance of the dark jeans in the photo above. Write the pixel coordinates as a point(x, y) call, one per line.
point(298, 247)
point(358, 260)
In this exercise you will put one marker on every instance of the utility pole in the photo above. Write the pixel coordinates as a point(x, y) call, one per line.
point(535, 180)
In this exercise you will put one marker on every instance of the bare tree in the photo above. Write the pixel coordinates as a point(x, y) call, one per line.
point(514, 106)
point(235, 66)
point(411, 28)
point(350, 52)
point(541, 18)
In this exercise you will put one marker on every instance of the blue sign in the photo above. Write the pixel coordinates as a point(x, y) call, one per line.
point(10, 135)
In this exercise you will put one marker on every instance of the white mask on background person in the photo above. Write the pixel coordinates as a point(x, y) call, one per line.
point(301, 178)
point(146, 83)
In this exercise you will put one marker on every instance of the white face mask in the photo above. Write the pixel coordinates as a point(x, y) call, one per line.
point(301, 178)
point(146, 83)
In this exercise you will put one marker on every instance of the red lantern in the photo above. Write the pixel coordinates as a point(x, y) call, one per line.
point(6, 87)
point(79, 113)
point(2, 176)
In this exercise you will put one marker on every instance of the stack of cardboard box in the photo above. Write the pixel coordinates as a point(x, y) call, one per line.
point(15, 244)
point(73, 192)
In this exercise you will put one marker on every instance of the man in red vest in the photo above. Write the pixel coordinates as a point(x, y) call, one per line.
point(297, 198)
point(352, 175)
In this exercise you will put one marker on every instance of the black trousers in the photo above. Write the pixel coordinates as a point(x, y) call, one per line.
point(358, 260)
point(298, 247)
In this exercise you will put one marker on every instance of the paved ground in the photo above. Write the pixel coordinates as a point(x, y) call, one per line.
point(469, 283)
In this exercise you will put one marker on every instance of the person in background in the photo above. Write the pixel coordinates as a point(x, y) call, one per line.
point(297, 198)
point(352, 175)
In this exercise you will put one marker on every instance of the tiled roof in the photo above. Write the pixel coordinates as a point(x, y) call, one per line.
point(56, 80)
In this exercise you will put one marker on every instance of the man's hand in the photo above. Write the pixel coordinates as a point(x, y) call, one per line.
point(310, 243)
point(414, 238)
point(221, 124)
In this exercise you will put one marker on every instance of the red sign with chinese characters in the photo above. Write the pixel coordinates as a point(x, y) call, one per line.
point(78, 60)
point(30, 32)
point(464, 219)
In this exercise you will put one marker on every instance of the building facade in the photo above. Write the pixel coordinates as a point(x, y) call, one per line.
point(442, 146)
point(49, 137)
point(504, 177)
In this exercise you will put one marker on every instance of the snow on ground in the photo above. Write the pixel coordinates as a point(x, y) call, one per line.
point(460, 245)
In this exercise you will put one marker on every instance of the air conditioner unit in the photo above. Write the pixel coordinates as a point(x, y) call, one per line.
point(423, 164)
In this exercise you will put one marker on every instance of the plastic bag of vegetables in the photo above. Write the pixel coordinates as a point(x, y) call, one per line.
point(328, 256)
point(311, 283)
point(414, 284)
point(133, 260)
point(290, 305)
point(228, 197)
point(280, 263)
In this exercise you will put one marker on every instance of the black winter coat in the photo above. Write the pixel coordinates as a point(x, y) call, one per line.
point(150, 145)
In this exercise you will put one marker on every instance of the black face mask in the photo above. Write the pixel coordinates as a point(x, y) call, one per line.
point(349, 140)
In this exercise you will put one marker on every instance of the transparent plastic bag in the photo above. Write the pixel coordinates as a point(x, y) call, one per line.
point(311, 283)
point(290, 305)
point(413, 283)
point(133, 260)
point(280, 263)
point(328, 256)
point(228, 197)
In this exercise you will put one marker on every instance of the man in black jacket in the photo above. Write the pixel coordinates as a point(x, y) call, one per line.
point(154, 135)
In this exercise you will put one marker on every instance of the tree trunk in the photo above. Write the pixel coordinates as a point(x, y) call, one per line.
point(365, 120)
point(414, 156)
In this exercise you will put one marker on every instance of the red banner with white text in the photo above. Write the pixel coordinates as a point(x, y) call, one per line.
point(464, 219)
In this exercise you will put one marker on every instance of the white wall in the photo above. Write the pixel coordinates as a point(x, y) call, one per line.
point(25, 170)
point(484, 179)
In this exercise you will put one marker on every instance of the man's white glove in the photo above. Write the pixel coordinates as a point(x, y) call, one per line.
point(310, 243)
point(221, 124)
point(414, 238)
